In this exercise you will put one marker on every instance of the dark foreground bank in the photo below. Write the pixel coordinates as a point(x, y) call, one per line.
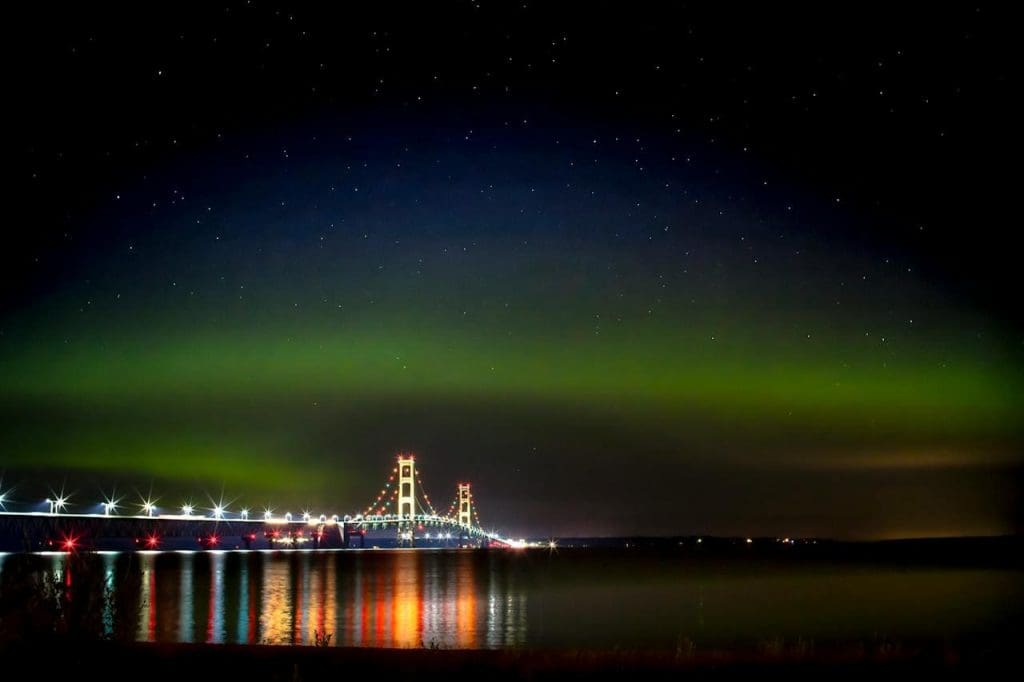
point(70, 660)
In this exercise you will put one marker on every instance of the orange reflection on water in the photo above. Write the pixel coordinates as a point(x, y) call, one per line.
point(330, 593)
point(299, 582)
point(276, 610)
point(380, 615)
point(321, 599)
point(465, 603)
point(406, 603)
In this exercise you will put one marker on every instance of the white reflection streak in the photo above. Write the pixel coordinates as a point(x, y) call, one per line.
point(186, 603)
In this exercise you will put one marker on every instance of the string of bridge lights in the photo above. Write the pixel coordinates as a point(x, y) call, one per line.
point(383, 491)
point(59, 504)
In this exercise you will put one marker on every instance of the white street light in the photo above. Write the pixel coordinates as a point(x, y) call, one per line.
point(187, 509)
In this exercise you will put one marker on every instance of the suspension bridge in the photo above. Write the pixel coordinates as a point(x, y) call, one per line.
point(402, 512)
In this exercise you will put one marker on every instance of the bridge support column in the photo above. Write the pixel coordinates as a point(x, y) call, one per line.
point(406, 487)
point(465, 505)
point(406, 495)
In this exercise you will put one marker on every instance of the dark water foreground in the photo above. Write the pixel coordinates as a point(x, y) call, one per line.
point(541, 612)
point(158, 662)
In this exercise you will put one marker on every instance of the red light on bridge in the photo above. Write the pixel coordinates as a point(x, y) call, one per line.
point(152, 541)
point(213, 540)
point(69, 543)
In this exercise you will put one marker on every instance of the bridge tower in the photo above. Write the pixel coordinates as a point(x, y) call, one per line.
point(406, 487)
point(465, 505)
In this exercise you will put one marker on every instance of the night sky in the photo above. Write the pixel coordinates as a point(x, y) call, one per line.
point(630, 268)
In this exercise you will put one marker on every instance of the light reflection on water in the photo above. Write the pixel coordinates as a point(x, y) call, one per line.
point(392, 599)
point(468, 599)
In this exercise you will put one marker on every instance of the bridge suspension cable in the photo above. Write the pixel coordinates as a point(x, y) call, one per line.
point(390, 503)
point(429, 507)
point(476, 514)
point(388, 486)
point(452, 507)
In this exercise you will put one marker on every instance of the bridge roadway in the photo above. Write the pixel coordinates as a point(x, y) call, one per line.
point(63, 531)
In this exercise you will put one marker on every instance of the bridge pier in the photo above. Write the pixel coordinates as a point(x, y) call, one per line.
point(350, 531)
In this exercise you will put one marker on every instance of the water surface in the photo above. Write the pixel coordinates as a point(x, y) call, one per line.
point(537, 598)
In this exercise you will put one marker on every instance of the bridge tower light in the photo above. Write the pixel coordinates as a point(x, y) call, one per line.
point(406, 487)
point(465, 505)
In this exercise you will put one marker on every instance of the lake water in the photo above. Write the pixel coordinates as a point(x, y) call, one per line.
point(536, 598)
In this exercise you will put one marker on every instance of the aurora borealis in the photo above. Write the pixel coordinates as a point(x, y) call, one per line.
point(630, 289)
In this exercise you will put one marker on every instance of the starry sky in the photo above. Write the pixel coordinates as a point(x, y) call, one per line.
point(635, 268)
